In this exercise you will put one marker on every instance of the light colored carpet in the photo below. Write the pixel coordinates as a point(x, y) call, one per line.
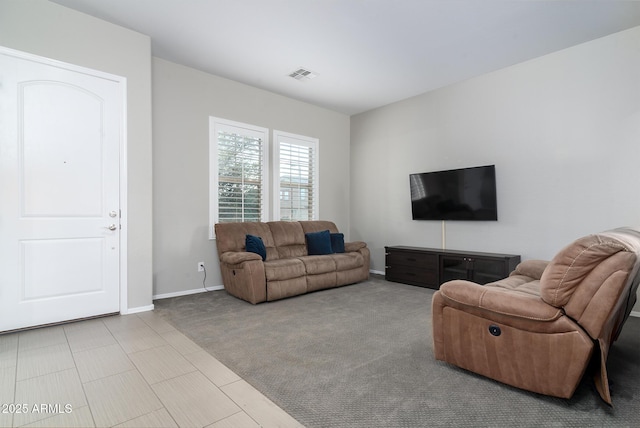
point(362, 356)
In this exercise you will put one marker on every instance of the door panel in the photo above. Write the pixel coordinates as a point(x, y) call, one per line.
point(50, 267)
point(52, 157)
point(60, 135)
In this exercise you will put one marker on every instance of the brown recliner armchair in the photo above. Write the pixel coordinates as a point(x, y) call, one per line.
point(540, 328)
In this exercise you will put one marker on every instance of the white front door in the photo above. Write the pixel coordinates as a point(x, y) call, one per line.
point(60, 133)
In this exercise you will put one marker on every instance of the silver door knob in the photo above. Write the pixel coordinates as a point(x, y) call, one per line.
point(113, 214)
point(113, 227)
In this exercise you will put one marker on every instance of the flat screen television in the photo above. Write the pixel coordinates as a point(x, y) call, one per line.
point(456, 194)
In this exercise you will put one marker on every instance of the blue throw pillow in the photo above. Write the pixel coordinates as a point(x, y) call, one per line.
point(337, 242)
point(319, 243)
point(254, 244)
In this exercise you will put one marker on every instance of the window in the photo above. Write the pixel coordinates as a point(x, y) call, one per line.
point(238, 168)
point(240, 173)
point(296, 172)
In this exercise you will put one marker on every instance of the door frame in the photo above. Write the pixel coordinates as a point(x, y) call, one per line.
point(122, 84)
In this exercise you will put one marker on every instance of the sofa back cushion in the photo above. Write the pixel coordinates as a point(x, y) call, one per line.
point(594, 278)
point(232, 237)
point(311, 226)
point(288, 238)
point(573, 264)
point(282, 239)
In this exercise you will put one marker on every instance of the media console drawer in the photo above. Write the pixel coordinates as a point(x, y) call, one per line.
point(414, 259)
point(430, 267)
point(412, 276)
point(411, 267)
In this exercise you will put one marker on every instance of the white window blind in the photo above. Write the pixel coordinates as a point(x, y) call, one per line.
point(238, 168)
point(297, 177)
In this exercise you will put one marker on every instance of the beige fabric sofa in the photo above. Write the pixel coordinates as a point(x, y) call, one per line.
point(540, 328)
point(288, 269)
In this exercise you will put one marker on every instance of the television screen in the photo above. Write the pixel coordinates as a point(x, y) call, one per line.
point(457, 194)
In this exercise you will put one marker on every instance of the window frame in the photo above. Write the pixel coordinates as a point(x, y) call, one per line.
point(217, 125)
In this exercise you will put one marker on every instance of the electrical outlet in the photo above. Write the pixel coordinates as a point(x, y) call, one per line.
point(200, 266)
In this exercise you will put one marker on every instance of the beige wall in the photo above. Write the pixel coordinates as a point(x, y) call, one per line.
point(183, 101)
point(563, 131)
point(47, 29)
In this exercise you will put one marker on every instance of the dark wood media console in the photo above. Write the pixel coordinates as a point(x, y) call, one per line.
point(430, 267)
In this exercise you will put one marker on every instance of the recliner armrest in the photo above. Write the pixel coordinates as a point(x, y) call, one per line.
point(498, 301)
point(350, 247)
point(237, 257)
point(531, 268)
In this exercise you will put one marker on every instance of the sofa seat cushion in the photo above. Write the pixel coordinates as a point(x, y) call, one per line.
point(283, 269)
point(316, 265)
point(290, 287)
point(348, 261)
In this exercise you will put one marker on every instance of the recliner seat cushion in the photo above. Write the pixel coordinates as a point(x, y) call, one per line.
point(316, 265)
point(518, 283)
point(347, 261)
point(283, 269)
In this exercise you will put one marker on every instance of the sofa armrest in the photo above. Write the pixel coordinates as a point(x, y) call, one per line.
point(498, 301)
point(237, 257)
point(531, 268)
point(243, 275)
point(350, 247)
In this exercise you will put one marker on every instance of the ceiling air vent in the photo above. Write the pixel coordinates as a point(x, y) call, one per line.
point(303, 74)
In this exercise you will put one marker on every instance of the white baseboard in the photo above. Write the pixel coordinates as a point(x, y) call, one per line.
point(137, 310)
point(187, 292)
point(634, 314)
point(377, 272)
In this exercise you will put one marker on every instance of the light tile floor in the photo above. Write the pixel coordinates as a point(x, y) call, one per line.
point(125, 371)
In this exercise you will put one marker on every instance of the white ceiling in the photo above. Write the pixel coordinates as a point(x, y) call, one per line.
point(366, 53)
